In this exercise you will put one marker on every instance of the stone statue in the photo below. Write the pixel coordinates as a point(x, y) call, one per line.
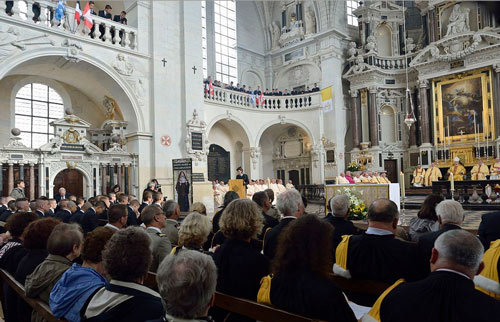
point(275, 35)
point(310, 21)
point(111, 107)
point(352, 50)
point(458, 21)
point(371, 44)
point(57, 142)
point(410, 46)
point(123, 66)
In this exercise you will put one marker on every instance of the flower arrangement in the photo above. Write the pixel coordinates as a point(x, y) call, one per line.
point(357, 207)
point(353, 167)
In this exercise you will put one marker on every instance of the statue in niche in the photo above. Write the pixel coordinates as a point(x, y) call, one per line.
point(458, 21)
point(111, 107)
point(410, 46)
point(352, 50)
point(371, 44)
point(275, 35)
point(310, 21)
point(293, 21)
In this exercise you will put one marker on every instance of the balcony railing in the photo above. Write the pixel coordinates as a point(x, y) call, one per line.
point(104, 30)
point(270, 103)
point(385, 63)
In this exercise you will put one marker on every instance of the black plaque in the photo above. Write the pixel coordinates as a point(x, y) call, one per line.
point(330, 156)
point(218, 163)
point(72, 147)
point(198, 177)
point(197, 141)
point(182, 164)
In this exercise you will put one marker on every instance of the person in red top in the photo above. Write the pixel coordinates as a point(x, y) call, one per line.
point(349, 177)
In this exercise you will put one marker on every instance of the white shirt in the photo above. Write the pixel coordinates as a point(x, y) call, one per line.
point(154, 228)
point(111, 226)
point(453, 271)
point(378, 231)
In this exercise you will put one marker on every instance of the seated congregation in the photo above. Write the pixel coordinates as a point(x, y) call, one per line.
point(97, 263)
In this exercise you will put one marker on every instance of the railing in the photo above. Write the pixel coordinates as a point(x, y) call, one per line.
point(270, 103)
point(104, 30)
point(387, 63)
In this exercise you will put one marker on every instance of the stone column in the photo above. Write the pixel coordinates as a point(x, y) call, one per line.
point(355, 118)
point(413, 129)
point(373, 116)
point(103, 179)
point(21, 171)
point(424, 112)
point(11, 176)
point(111, 171)
point(432, 24)
point(119, 175)
point(496, 100)
point(32, 181)
point(125, 175)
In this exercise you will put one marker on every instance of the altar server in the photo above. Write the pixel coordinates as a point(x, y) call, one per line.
point(457, 169)
point(479, 171)
point(495, 170)
point(432, 174)
point(418, 176)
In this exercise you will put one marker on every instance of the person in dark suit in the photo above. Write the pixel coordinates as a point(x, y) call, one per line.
point(132, 219)
point(218, 237)
point(315, 88)
point(90, 219)
point(489, 228)
point(300, 282)
point(42, 208)
point(262, 200)
point(448, 293)
point(64, 212)
point(450, 216)
point(147, 199)
point(7, 213)
point(121, 18)
point(339, 206)
point(106, 13)
point(62, 195)
point(290, 205)
point(377, 254)
point(4, 206)
point(240, 266)
point(242, 175)
point(76, 215)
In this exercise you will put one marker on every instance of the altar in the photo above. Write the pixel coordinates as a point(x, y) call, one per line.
point(367, 192)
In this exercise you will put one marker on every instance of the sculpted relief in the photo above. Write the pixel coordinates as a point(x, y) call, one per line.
point(458, 22)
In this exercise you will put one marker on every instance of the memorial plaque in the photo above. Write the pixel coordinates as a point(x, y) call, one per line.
point(71, 147)
point(198, 177)
point(182, 175)
point(197, 141)
point(330, 156)
point(218, 164)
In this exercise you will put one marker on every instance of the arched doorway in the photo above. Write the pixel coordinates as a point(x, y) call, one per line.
point(71, 180)
point(219, 164)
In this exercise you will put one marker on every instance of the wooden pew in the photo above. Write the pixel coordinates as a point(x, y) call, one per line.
point(41, 307)
point(367, 287)
point(251, 309)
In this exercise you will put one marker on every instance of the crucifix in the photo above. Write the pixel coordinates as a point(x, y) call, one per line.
point(164, 61)
point(194, 69)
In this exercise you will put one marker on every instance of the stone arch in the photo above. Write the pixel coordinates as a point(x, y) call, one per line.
point(87, 175)
point(255, 73)
point(290, 121)
point(279, 78)
point(231, 118)
point(11, 63)
point(388, 123)
point(383, 34)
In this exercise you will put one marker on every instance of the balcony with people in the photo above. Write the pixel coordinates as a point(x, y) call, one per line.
point(106, 27)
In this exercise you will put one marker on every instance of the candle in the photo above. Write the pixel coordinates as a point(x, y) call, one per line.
point(402, 175)
point(452, 182)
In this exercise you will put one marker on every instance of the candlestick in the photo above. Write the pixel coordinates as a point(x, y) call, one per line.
point(402, 175)
point(452, 184)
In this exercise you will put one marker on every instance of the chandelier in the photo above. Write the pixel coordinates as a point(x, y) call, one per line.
point(410, 116)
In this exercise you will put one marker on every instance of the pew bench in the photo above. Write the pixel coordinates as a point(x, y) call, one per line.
point(41, 307)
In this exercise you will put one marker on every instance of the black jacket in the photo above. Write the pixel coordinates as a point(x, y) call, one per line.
point(489, 228)
point(426, 243)
point(269, 222)
point(58, 197)
point(89, 221)
point(441, 297)
point(341, 227)
point(310, 295)
point(271, 237)
point(77, 217)
point(64, 215)
point(132, 218)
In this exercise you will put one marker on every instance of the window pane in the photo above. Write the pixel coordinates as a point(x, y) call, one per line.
point(40, 124)
point(54, 97)
point(56, 111)
point(25, 91)
point(26, 138)
point(23, 122)
point(39, 140)
point(40, 109)
point(23, 106)
point(40, 92)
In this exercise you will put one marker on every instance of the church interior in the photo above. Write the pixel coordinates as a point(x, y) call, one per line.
point(181, 118)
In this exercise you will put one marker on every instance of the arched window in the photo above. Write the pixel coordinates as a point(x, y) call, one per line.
point(36, 106)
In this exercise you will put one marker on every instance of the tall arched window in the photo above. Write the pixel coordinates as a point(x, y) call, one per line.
point(36, 106)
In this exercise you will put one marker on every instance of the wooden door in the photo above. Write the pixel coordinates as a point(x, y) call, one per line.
point(294, 176)
point(71, 180)
point(391, 167)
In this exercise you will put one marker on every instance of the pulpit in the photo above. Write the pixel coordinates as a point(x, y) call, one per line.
point(237, 186)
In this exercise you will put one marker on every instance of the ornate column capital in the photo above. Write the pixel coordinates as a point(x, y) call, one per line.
point(423, 83)
point(373, 89)
point(353, 93)
point(496, 67)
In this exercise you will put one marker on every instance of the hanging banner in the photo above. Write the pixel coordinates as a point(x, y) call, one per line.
point(183, 169)
point(327, 99)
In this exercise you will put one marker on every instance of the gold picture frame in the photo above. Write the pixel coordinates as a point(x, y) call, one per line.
point(456, 99)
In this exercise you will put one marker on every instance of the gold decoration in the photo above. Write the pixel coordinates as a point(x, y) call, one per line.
point(112, 108)
point(71, 136)
point(70, 164)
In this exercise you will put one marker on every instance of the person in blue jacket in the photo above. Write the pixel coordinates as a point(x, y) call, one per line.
point(76, 284)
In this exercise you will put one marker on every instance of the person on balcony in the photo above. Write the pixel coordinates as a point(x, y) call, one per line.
point(121, 18)
point(315, 88)
point(457, 169)
point(106, 13)
point(479, 171)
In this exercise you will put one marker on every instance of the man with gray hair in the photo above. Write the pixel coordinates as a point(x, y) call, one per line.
point(450, 216)
point(339, 206)
point(64, 212)
point(42, 208)
point(172, 212)
point(448, 293)
point(187, 299)
point(154, 219)
point(290, 205)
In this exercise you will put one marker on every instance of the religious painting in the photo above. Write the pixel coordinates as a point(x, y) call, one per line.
point(463, 107)
point(183, 182)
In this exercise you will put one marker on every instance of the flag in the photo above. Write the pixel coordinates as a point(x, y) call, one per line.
point(327, 99)
point(89, 22)
point(78, 12)
point(261, 100)
point(209, 88)
point(59, 15)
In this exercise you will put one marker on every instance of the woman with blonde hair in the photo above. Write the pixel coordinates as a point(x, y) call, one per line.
point(193, 232)
point(199, 207)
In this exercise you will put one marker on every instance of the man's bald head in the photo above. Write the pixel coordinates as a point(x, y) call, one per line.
point(383, 210)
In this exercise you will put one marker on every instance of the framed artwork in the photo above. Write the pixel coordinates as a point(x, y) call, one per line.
point(463, 108)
